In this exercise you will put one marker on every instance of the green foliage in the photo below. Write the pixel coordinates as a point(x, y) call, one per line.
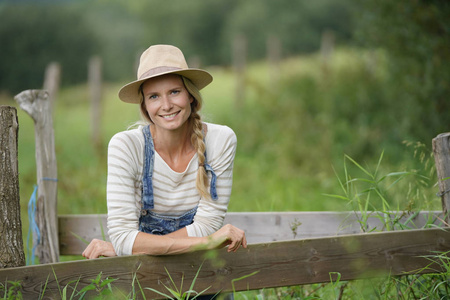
point(233, 281)
point(415, 37)
point(101, 286)
point(177, 293)
point(11, 290)
point(33, 35)
point(297, 24)
point(291, 134)
point(386, 197)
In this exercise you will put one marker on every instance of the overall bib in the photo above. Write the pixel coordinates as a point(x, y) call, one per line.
point(150, 222)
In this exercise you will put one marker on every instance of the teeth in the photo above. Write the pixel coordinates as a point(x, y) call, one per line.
point(169, 116)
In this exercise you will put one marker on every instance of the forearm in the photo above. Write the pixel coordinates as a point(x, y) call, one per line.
point(180, 233)
point(165, 244)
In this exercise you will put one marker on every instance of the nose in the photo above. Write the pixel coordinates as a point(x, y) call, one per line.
point(166, 103)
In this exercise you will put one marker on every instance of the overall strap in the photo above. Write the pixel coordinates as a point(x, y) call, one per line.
point(208, 168)
point(149, 161)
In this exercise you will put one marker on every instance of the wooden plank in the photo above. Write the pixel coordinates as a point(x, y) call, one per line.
point(37, 105)
point(276, 264)
point(441, 151)
point(259, 227)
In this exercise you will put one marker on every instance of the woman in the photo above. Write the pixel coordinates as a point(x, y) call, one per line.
point(169, 181)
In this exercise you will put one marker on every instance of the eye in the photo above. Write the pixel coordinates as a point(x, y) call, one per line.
point(175, 92)
point(152, 97)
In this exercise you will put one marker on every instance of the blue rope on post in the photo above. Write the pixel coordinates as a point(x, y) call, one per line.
point(33, 227)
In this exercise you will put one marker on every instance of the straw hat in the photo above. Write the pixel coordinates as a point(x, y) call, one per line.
point(160, 60)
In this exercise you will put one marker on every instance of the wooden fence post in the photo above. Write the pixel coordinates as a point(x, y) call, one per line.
point(239, 62)
point(95, 87)
point(326, 50)
point(51, 81)
point(194, 62)
point(36, 104)
point(11, 242)
point(441, 151)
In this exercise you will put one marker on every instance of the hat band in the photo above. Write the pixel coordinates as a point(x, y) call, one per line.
point(158, 70)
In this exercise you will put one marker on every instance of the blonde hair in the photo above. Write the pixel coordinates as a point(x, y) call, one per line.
point(197, 135)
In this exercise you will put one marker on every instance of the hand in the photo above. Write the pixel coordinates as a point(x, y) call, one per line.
point(98, 248)
point(231, 236)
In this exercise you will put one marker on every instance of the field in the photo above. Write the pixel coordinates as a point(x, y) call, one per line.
point(298, 138)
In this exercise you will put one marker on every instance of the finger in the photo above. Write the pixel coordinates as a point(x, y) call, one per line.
point(234, 245)
point(87, 251)
point(244, 242)
point(231, 246)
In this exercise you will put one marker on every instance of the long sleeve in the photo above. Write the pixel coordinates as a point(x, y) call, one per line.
point(221, 149)
point(124, 162)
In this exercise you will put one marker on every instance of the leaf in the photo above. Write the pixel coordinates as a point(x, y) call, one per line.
point(45, 287)
point(98, 278)
point(336, 196)
point(338, 279)
point(240, 278)
point(80, 238)
point(101, 228)
point(359, 166)
point(194, 280)
point(87, 288)
point(107, 281)
point(379, 163)
point(158, 292)
point(56, 279)
point(176, 291)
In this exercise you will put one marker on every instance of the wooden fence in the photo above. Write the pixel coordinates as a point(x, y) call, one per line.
point(289, 248)
point(267, 265)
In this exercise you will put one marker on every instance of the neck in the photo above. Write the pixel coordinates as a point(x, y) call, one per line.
point(172, 143)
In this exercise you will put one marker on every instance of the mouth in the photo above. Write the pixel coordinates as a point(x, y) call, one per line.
point(171, 116)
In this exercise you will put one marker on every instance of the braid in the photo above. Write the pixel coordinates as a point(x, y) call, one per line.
point(197, 141)
point(197, 137)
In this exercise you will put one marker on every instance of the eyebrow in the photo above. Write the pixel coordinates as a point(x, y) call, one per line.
point(171, 89)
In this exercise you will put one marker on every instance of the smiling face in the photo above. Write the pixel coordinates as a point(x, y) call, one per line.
point(167, 102)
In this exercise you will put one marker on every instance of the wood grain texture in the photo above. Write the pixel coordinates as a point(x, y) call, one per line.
point(277, 264)
point(441, 151)
point(259, 227)
point(37, 105)
point(11, 242)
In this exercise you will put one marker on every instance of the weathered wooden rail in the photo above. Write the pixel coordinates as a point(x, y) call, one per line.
point(261, 227)
point(272, 264)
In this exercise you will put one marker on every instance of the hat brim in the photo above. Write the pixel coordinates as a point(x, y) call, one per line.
point(130, 92)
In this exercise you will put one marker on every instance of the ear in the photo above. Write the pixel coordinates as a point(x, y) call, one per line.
point(191, 98)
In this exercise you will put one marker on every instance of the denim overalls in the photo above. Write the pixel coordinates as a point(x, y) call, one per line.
point(149, 221)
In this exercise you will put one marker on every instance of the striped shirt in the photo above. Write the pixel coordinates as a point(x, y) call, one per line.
point(174, 193)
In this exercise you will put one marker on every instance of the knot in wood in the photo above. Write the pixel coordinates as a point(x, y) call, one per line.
point(224, 271)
